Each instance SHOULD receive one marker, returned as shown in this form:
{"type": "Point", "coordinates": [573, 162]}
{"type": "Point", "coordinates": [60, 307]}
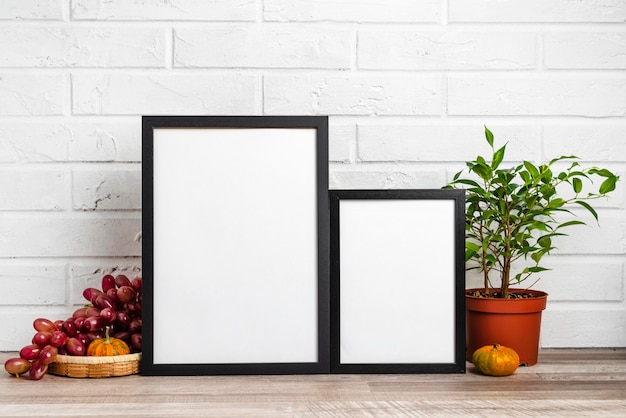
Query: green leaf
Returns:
{"type": "Point", "coordinates": [472, 246]}
{"type": "Point", "coordinates": [534, 172]}
{"type": "Point", "coordinates": [588, 207]}
{"type": "Point", "coordinates": [483, 171]}
{"type": "Point", "coordinates": [498, 156]}
{"type": "Point", "coordinates": [556, 203]}
{"type": "Point", "coordinates": [537, 269]}
{"type": "Point", "coordinates": [489, 136]}
{"type": "Point", "coordinates": [569, 223]}
{"type": "Point", "coordinates": [601, 172]}
{"type": "Point", "coordinates": [525, 176]}
{"type": "Point", "coordinates": [537, 256]}
{"type": "Point", "coordinates": [563, 157]}
{"type": "Point", "coordinates": [577, 184]}
{"type": "Point", "coordinates": [546, 175]}
{"type": "Point", "coordinates": [608, 185]}
{"type": "Point", "coordinates": [468, 182]}
{"type": "Point", "coordinates": [490, 259]}
{"type": "Point", "coordinates": [545, 242]}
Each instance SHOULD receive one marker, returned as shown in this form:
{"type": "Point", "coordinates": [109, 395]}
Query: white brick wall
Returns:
{"type": "Point", "coordinates": [301, 46]}
{"type": "Point", "coordinates": [68, 46]}
{"type": "Point", "coordinates": [353, 94]}
{"type": "Point", "coordinates": [135, 93]}
{"type": "Point", "coordinates": [445, 49]}
{"type": "Point", "coordinates": [408, 86]}
{"type": "Point", "coordinates": [531, 11]}
{"type": "Point", "coordinates": [34, 94]}
{"type": "Point", "coordinates": [381, 11]}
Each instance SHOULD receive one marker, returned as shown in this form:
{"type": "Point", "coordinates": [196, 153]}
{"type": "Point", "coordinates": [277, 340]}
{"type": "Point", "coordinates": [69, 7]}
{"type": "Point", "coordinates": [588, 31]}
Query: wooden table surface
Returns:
{"type": "Point", "coordinates": [565, 383]}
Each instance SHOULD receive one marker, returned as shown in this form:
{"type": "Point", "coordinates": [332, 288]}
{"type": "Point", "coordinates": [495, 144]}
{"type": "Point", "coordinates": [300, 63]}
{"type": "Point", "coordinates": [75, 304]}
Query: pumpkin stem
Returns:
{"type": "Point", "coordinates": [495, 345]}
{"type": "Point", "coordinates": [106, 334]}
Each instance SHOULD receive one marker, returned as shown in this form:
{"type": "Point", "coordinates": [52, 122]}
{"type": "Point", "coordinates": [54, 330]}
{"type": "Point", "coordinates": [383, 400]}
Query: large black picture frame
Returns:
{"type": "Point", "coordinates": [397, 281]}
{"type": "Point", "coordinates": [235, 245]}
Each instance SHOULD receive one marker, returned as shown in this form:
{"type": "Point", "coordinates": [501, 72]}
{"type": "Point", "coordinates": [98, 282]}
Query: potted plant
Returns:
{"type": "Point", "coordinates": [511, 221]}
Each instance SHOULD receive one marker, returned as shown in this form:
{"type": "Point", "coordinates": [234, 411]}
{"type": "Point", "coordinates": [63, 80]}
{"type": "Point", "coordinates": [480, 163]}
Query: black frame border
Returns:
{"type": "Point", "coordinates": [459, 365]}
{"type": "Point", "coordinates": [320, 123]}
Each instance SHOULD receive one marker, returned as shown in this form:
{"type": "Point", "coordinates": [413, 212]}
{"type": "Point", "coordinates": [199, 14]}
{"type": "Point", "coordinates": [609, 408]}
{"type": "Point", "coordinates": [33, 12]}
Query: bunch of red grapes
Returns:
{"type": "Point", "coordinates": [116, 307]}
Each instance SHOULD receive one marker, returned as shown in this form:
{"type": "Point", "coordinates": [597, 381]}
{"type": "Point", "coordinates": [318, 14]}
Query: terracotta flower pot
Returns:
{"type": "Point", "coordinates": [514, 323]}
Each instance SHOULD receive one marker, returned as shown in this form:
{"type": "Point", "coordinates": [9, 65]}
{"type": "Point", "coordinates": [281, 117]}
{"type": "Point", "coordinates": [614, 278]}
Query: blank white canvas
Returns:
{"type": "Point", "coordinates": [397, 279]}
{"type": "Point", "coordinates": [235, 246]}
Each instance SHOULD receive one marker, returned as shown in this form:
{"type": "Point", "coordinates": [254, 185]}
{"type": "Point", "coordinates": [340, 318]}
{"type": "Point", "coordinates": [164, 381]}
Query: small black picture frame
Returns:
{"type": "Point", "coordinates": [397, 281]}
{"type": "Point", "coordinates": [235, 245]}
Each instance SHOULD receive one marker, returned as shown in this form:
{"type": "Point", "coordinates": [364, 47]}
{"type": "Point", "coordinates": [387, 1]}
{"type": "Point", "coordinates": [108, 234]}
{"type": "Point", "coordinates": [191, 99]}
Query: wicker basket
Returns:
{"type": "Point", "coordinates": [96, 367]}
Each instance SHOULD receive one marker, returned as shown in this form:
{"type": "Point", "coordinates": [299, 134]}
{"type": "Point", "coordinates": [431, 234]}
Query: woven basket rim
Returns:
{"type": "Point", "coordinates": [61, 358]}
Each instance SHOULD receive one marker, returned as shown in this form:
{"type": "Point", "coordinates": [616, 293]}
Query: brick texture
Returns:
{"type": "Point", "coordinates": [382, 11]}
{"type": "Point", "coordinates": [561, 11]}
{"type": "Point", "coordinates": [585, 50]}
{"type": "Point", "coordinates": [252, 46]}
{"type": "Point", "coordinates": [31, 10]}
{"type": "Point", "coordinates": [163, 93]}
{"type": "Point", "coordinates": [445, 50]}
{"type": "Point", "coordinates": [67, 46]}
{"type": "Point", "coordinates": [408, 86]}
{"type": "Point", "coordinates": [218, 10]}
{"type": "Point", "coordinates": [353, 94]}
{"type": "Point", "coordinates": [32, 94]}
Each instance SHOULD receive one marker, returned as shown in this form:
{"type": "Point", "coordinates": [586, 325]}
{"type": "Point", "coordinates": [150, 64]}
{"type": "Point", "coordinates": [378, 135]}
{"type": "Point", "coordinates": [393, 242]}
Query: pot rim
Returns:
{"type": "Point", "coordinates": [507, 306]}
{"type": "Point", "coordinates": [537, 293]}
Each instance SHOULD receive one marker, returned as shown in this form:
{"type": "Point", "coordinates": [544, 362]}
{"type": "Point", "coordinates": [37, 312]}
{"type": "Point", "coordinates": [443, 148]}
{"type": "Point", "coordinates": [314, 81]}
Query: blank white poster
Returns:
{"type": "Point", "coordinates": [397, 281]}
{"type": "Point", "coordinates": [235, 246]}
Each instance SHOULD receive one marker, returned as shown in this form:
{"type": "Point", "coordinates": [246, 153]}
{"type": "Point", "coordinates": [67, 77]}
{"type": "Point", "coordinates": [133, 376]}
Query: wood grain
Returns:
{"type": "Point", "coordinates": [565, 383]}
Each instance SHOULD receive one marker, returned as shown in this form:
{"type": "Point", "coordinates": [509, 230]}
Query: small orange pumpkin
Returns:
{"type": "Point", "coordinates": [496, 360]}
{"type": "Point", "coordinates": [107, 346]}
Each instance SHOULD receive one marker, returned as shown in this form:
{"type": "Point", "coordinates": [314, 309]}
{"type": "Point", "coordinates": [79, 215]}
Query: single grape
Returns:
{"type": "Point", "coordinates": [79, 322]}
{"type": "Point", "coordinates": [108, 282]}
{"type": "Point", "coordinates": [83, 338]}
{"type": "Point", "coordinates": [30, 352]}
{"type": "Point", "coordinates": [121, 280]}
{"type": "Point", "coordinates": [80, 312]}
{"type": "Point", "coordinates": [58, 339]}
{"type": "Point", "coordinates": [123, 319]}
{"type": "Point", "coordinates": [93, 323]}
{"type": "Point", "coordinates": [126, 294]}
{"type": "Point", "coordinates": [112, 294]}
{"type": "Point", "coordinates": [17, 366]}
{"type": "Point", "coordinates": [43, 324]}
{"type": "Point", "coordinates": [109, 315]}
{"type": "Point", "coordinates": [37, 370]}
{"type": "Point", "coordinates": [137, 284]}
{"type": "Point", "coordinates": [48, 354]}
{"type": "Point", "coordinates": [103, 301]}
{"type": "Point", "coordinates": [42, 338]}
{"type": "Point", "coordinates": [69, 327]}
{"type": "Point", "coordinates": [93, 311]}
{"type": "Point", "coordinates": [135, 325]}
{"type": "Point", "coordinates": [75, 347]}
{"type": "Point", "coordinates": [90, 293]}
{"type": "Point", "coordinates": [135, 341]}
